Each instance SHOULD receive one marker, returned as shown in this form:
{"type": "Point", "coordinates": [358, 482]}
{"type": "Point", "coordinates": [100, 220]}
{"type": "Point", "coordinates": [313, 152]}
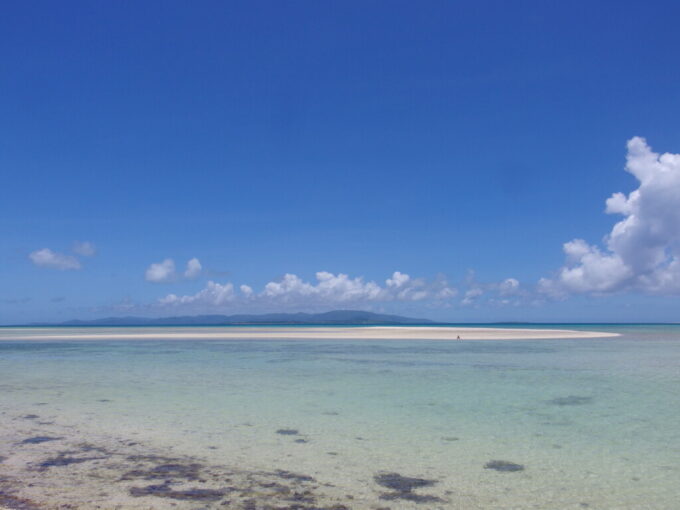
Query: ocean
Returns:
{"type": "Point", "coordinates": [339, 424]}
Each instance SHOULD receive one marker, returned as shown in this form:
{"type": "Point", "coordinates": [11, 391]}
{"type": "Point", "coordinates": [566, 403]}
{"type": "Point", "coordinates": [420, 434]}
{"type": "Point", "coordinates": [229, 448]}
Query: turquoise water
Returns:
{"type": "Point", "coordinates": [594, 423]}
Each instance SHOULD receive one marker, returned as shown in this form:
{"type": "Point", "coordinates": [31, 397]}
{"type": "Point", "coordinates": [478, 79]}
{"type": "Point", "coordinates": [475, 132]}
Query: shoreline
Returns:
{"type": "Point", "coordinates": [304, 333]}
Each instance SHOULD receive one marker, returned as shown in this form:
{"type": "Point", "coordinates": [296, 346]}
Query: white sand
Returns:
{"type": "Point", "coordinates": [295, 333]}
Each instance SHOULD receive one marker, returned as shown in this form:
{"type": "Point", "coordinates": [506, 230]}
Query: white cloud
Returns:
{"type": "Point", "coordinates": [165, 272]}
{"type": "Point", "coordinates": [406, 288]}
{"type": "Point", "coordinates": [341, 288]}
{"type": "Point", "coordinates": [246, 290]}
{"type": "Point", "coordinates": [642, 251]}
{"type": "Point", "coordinates": [328, 289]}
{"type": "Point", "coordinates": [48, 258]}
{"type": "Point", "coordinates": [441, 288]}
{"type": "Point", "coordinates": [193, 268]}
{"type": "Point", "coordinates": [289, 285]}
{"type": "Point", "coordinates": [493, 293]}
{"type": "Point", "coordinates": [446, 293]}
{"type": "Point", "coordinates": [508, 287]}
{"type": "Point", "coordinates": [84, 248]}
{"type": "Point", "coordinates": [398, 280]}
{"type": "Point", "coordinates": [161, 272]}
{"type": "Point", "coordinates": [213, 294]}
{"type": "Point", "coordinates": [471, 296]}
{"type": "Point", "coordinates": [550, 288]}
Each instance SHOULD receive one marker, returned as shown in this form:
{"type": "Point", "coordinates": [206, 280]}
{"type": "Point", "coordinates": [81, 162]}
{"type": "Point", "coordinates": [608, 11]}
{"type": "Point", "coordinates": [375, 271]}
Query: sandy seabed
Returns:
{"type": "Point", "coordinates": [41, 458]}
{"type": "Point", "coordinates": [40, 455]}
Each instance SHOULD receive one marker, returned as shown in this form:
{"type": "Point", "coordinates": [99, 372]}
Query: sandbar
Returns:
{"type": "Point", "coordinates": [297, 333]}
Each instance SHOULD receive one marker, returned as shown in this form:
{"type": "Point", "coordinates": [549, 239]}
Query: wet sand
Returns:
{"type": "Point", "coordinates": [297, 333]}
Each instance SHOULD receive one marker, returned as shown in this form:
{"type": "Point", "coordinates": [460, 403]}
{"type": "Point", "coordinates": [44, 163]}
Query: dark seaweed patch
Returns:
{"type": "Point", "coordinates": [2, 459]}
{"type": "Point", "coordinates": [16, 503]}
{"type": "Point", "coordinates": [87, 447]}
{"type": "Point", "coordinates": [302, 497]}
{"type": "Point", "coordinates": [168, 470]}
{"type": "Point", "coordinates": [287, 475]}
{"type": "Point", "coordinates": [276, 486]}
{"type": "Point", "coordinates": [503, 465]}
{"type": "Point", "coordinates": [400, 483]}
{"type": "Point", "coordinates": [188, 471]}
{"type": "Point", "coordinates": [410, 496]}
{"type": "Point", "coordinates": [571, 400]}
{"type": "Point", "coordinates": [64, 460]}
{"type": "Point", "coordinates": [402, 488]}
{"type": "Point", "coordinates": [183, 480]}
{"type": "Point", "coordinates": [164, 491]}
{"type": "Point", "coordinates": [39, 439]}
{"type": "Point", "coordinates": [288, 432]}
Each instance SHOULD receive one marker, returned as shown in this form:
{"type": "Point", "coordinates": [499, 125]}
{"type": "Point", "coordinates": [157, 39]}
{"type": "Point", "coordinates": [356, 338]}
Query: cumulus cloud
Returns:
{"type": "Point", "coordinates": [213, 294]}
{"type": "Point", "coordinates": [247, 291]}
{"type": "Point", "coordinates": [496, 293]}
{"type": "Point", "coordinates": [165, 271]}
{"type": "Point", "coordinates": [161, 272]}
{"type": "Point", "coordinates": [84, 248]}
{"type": "Point", "coordinates": [508, 287]}
{"type": "Point", "coordinates": [193, 268]}
{"type": "Point", "coordinates": [441, 289]}
{"type": "Point", "coordinates": [642, 251]}
{"type": "Point", "coordinates": [48, 258]}
{"type": "Point", "coordinates": [328, 289]}
{"type": "Point", "coordinates": [397, 280]}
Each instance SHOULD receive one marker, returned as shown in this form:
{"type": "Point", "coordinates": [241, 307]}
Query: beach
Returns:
{"type": "Point", "coordinates": [297, 333]}
{"type": "Point", "coordinates": [337, 424]}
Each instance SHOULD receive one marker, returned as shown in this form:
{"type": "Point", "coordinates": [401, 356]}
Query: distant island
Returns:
{"type": "Point", "coordinates": [335, 317]}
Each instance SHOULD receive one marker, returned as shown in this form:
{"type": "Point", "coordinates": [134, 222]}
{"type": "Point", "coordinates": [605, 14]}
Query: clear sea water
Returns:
{"type": "Point", "coordinates": [595, 423]}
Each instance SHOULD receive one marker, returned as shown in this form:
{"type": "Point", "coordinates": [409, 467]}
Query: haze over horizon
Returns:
{"type": "Point", "coordinates": [161, 159]}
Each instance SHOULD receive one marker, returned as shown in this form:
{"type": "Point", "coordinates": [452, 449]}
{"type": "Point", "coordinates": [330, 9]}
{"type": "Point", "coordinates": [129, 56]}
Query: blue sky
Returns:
{"type": "Point", "coordinates": [461, 144]}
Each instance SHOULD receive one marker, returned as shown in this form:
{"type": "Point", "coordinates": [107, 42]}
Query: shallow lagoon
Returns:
{"type": "Point", "coordinates": [588, 423]}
